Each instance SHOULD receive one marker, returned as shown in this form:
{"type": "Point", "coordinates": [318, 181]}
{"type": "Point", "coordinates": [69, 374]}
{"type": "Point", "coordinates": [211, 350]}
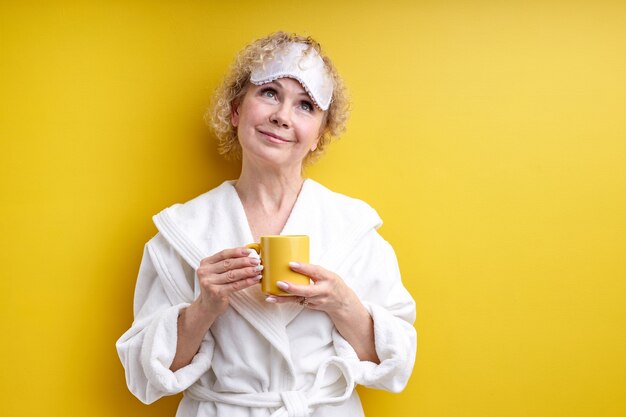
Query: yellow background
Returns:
{"type": "Point", "coordinates": [490, 136]}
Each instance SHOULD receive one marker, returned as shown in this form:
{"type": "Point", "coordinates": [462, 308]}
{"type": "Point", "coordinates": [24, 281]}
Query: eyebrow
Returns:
{"type": "Point", "coordinates": [303, 93]}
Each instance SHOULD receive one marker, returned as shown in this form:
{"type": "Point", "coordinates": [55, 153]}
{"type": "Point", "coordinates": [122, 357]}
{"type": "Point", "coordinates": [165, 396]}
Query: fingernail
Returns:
{"type": "Point", "coordinates": [282, 285]}
{"type": "Point", "coordinates": [247, 251]}
{"type": "Point", "coordinates": [255, 261]}
{"type": "Point", "coordinates": [271, 299]}
{"type": "Point", "coordinates": [294, 264]}
{"type": "Point", "coordinates": [259, 277]}
{"type": "Point", "coordinates": [259, 267]}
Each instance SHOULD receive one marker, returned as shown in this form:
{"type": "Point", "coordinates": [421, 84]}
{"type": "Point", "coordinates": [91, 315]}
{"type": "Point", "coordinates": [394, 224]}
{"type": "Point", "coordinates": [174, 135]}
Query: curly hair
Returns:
{"type": "Point", "coordinates": [235, 84]}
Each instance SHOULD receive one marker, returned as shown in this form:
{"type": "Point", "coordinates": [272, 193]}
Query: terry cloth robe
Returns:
{"type": "Point", "coordinates": [262, 359]}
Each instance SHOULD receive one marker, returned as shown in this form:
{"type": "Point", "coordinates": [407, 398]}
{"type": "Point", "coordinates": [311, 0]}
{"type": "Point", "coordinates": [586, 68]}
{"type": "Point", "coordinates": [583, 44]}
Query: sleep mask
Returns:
{"type": "Point", "coordinates": [303, 63]}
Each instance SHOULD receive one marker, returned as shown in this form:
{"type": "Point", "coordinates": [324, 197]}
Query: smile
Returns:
{"type": "Point", "coordinates": [271, 137]}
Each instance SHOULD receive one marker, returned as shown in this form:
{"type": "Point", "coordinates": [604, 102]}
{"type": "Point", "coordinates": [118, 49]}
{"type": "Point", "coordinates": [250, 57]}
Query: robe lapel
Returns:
{"type": "Point", "coordinates": [299, 223]}
{"type": "Point", "coordinates": [334, 225]}
{"type": "Point", "coordinates": [210, 223]}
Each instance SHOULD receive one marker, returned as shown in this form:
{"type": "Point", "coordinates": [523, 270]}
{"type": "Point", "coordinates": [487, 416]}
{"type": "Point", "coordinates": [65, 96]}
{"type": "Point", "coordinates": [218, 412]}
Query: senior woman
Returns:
{"type": "Point", "coordinates": [202, 325]}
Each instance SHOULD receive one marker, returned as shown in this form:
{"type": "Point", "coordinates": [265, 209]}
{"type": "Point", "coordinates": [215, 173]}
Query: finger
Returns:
{"type": "Point", "coordinates": [227, 254]}
{"type": "Point", "coordinates": [297, 290]}
{"type": "Point", "coordinates": [306, 302]}
{"type": "Point", "coordinates": [282, 299]}
{"type": "Point", "coordinates": [237, 263]}
{"type": "Point", "coordinates": [315, 272]}
{"type": "Point", "coordinates": [234, 275]}
{"type": "Point", "coordinates": [243, 284]}
{"type": "Point", "coordinates": [228, 264]}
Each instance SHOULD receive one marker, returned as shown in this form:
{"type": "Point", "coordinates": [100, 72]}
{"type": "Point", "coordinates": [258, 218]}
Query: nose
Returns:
{"type": "Point", "coordinates": [281, 116]}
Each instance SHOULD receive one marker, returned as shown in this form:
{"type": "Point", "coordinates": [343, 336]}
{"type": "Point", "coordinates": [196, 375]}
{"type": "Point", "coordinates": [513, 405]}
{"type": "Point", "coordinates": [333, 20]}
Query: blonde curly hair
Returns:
{"type": "Point", "coordinates": [235, 84]}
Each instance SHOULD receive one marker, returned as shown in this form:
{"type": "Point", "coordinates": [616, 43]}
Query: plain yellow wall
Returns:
{"type": "Point", "coordinates": [490, 137]}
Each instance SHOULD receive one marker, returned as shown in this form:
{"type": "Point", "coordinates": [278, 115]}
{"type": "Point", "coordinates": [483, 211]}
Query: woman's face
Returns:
{"type": "Point", "coordinates": [277, 123]}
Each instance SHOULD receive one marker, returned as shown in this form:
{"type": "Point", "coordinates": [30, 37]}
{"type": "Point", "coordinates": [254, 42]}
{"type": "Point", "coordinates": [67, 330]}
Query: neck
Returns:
{"type": "Point", "coordinates": [268, 189]}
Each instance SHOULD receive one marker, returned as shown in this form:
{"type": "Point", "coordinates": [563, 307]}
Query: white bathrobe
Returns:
{"type": "Point", "coordinates": [262, 359]}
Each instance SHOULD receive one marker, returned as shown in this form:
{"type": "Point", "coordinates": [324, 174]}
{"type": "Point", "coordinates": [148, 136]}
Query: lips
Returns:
{"type": "Point", "coordinates": [274, 138]}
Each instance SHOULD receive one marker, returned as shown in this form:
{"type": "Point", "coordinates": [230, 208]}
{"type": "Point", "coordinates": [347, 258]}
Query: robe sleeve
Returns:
{"type": "Point", "coordinates": [148, 348]}
{"type": "Point", "coordinates": [372, 272]}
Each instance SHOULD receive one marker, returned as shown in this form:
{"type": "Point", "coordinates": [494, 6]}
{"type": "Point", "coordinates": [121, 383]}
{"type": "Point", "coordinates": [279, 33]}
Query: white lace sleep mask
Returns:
{"type": "Point", "coordinates": [294, 61]}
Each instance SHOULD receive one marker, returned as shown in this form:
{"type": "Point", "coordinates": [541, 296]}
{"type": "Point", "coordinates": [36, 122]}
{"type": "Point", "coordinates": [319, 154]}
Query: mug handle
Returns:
{"type": "Point", "coordinates": [255, 246]}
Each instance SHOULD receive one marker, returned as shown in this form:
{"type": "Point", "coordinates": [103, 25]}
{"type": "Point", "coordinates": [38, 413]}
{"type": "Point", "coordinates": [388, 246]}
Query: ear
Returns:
{"type": "Point", "coordinates": [323, 129]}
{"type": "Point", "coordinates": [314, 147]}
{"type": "Point", "coordinates": [234, 113]}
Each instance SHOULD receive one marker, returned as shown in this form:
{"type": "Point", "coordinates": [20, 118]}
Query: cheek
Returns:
{"type": "Point", "coordinates": [310, 133]}
{"type": "Point", "coordinates": [321, 125]}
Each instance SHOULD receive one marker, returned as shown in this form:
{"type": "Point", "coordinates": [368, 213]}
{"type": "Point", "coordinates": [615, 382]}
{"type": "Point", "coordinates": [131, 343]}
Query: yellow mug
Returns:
{"type": "Point", "coordinates": [276, 252]}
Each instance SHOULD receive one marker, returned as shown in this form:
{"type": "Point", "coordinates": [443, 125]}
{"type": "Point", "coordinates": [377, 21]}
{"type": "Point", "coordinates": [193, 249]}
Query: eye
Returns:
{"type": "Point", "coordinates": [306, 106]}
{"type": "Point", "coordinates": [269, 92]}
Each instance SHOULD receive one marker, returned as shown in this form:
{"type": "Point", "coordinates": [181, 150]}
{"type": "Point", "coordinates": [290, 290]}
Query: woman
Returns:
{"type": "Point", "coordinates": [202, 325]}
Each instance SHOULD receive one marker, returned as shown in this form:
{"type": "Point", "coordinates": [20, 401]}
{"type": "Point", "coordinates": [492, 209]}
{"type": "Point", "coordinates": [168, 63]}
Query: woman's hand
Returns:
{"type": "Point", "coordinates": [224, 273]}
{"type": "Point", "coordinates": [329, 293]}
{"type": "Point", "coordinates": [220, 275]}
